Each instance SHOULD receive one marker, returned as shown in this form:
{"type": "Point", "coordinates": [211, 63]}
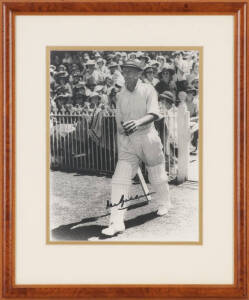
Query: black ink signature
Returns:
{"type": "Point", "coordinates": [123, 200]}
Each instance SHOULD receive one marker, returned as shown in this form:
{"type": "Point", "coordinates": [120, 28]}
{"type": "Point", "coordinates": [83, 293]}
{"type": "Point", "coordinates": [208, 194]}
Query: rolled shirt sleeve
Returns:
{"type": "Point", "coordinates": [152, 103]}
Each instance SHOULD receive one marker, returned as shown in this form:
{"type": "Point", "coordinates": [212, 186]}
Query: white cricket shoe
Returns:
{"type": "Point", "coordinates": [113, 229]}
{"type": "Point", "coordinates": [163, 210]}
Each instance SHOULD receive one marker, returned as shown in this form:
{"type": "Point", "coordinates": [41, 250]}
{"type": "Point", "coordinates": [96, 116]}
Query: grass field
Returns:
{"type": "Point", "coordinates": [78, 211]}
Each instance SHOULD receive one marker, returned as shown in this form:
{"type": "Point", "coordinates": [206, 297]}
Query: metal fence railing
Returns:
{"type": "Point", "coordinates": [87, 142]}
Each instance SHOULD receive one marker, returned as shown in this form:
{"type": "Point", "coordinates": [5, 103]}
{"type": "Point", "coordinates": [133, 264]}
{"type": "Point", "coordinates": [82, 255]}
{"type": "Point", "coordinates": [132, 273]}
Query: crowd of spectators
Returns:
{"type": "Point", "coordinates": [82, 81]}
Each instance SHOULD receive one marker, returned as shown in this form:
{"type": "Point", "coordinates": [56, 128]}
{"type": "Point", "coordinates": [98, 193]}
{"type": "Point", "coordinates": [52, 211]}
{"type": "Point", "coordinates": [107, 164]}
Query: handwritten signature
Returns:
{"type": "Point", "coordinates": [123, 200]}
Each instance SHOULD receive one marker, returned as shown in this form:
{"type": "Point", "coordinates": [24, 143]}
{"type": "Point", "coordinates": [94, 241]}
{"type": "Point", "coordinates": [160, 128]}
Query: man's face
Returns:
{"type": "Point", "coordinates": [155, 70]}
{"type": "Point", "coordinates": [131, 74]}
{"type": "Point", "coordinates": [165, 105]}
{"type": "Point", "coordinates": [62, 80]}
{"type": "Point", "coordinates": [166, 76]}
{"type": "Point", "coordinates": [113, 69]}
{"type": "Point", "coordinates": [168, 105]}
{"type": "Point", "coordinates": [76, 79]}
{"type": "Point", "coordinates": [149, 74]}
{"type": "Point", "coordinates": [117, 88]}
{"type": "Point", "coordinates": [91, 87]}
{"type": "Point", "coordinates": [90, 68]}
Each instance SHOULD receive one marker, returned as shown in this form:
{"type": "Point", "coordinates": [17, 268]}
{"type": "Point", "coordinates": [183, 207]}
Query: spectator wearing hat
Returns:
{"type": "Point", "coordinates": [167, 105]}
{"type": "Point", "coordinates": [74, 67]}
{"type": "Point", "coordinates": [97, 56]}
{"type": "Point", "coordinates": [138, 140]}
{"type": "Point", "coordinates": [139, 54]}
{"type": "Point", "coordinates": [109, 59]}
{"type": "Point", "coordinates": [148, 76]}
{"type": "Point", "coordinates": [90, 84]}
{"type": "Point", "coordinates": [75, 79]}
{"type": "Point", "coordinates": [113, 93]}
{"type": "Point", "coordinates": [155, 65]}
{"type": "Point", "coordinates": [161, 60]}
{"type": "Point", "coordinates": [190, 60]}
{"type": "Point", "coordinates": [117, 58]}
{"type": "Point", "coordinates": [63, 91]}
{"type": "Point", "coordinates": [79, 94]}
{"type": "Point", "coordinates": [67, 59]}
{"type": "Point", "coordinates": [91, 72]}
{"type": "Point", "coordinates": [166, 101]}
{"type": "Point", "coordinates": [52, 69]}
{"type": "Point", "coordinates": [132, 56]}
{"type": "Point", "coordinates": [192, 105]}
{"type": "Point", "coordinates": [123, 57]}
{"type": "Point", "coordinates": [61, 68]}
{"type": "Point", "coordinates": [113, 67]}
{"type": "Point", "coordinates": [182, 70]}
{"type": "Point", "coordinates": [183, 66]}
{"type": "Point", "coordinates": [108, 84]}
{"type": "Point", "coordinates": [85, 57]}
{"type": "Point", "coordinates": [181, 85]}
{"type": "Point", "coordinates": [169, 63]}
{"type": "Point", "coordinates": [177, 56]}
{"type": "Point", "coordinates": [102, 69]}
{"type": "Point", "coordinates": [144, 60]}
{"type": "Point", "coordinates": [115, 73]}
{"type": "Point", "coordinates": [194, 73]}
{"type": "Point", "coordinates": [166, 81]}
{"type": "Point", "coordinates": [100, 89]}
{"type": "Point", "coordinates": [55, 60]}
{"type": "Point", "coordinates": [95, 98]}
{"type": "Point", "coordinates": [76, 76]}
{"type": "Point", "coordinates": [75, 58]}
{"type": "Point", "coordinates": [181, 97]}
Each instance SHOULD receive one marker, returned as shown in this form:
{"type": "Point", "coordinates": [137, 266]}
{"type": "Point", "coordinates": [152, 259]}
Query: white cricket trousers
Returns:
{"type": "Point", "coordinates": [143, 146]}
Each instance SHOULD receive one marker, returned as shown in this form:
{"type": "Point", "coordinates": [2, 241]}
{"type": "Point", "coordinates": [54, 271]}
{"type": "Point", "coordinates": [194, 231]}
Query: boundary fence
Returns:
{"type": "Point", "coordinates": [87, 142]}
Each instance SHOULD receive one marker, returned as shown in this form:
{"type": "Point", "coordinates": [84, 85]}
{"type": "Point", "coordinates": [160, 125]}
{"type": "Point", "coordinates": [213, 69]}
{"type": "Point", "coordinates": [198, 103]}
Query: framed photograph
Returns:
{"type": "Point", "coordinates": [84, 139]}
{"type": "Point", "coordinates": [123, 149]}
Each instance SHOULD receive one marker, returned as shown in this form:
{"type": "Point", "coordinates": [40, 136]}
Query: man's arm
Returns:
{"type": "Point", "coordinates": [153, 113]}
{"type": "Point", "coordinates": [133, 125]}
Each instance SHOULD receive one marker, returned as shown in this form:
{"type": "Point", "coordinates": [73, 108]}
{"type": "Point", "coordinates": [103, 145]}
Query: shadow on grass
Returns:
{"type": "Point", "coordinates": [72, 233]}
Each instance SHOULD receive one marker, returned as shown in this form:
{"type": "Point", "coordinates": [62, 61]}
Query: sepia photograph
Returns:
{"type": "Point", "coordinates": [124, 160]}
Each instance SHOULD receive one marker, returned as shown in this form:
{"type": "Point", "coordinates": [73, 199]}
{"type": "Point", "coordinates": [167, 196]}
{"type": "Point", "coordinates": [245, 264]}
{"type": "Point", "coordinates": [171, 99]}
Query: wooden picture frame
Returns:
{"type": "Point", "coordinates": [238, 9]}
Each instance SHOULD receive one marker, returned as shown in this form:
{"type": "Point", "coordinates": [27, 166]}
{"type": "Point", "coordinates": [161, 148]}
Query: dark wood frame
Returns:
{"type": "Point", "coordinates": [239, 9]}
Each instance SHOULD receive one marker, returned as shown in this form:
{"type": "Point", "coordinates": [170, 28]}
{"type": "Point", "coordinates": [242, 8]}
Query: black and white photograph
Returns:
{"type": "Point", "coordinates": [124, 145]}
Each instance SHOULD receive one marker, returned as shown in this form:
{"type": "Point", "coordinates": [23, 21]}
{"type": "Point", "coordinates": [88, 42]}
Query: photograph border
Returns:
{"type": "Point", "coordinates": [239, 9]}
{"type": "Point", "coordinates": [200, 143]}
